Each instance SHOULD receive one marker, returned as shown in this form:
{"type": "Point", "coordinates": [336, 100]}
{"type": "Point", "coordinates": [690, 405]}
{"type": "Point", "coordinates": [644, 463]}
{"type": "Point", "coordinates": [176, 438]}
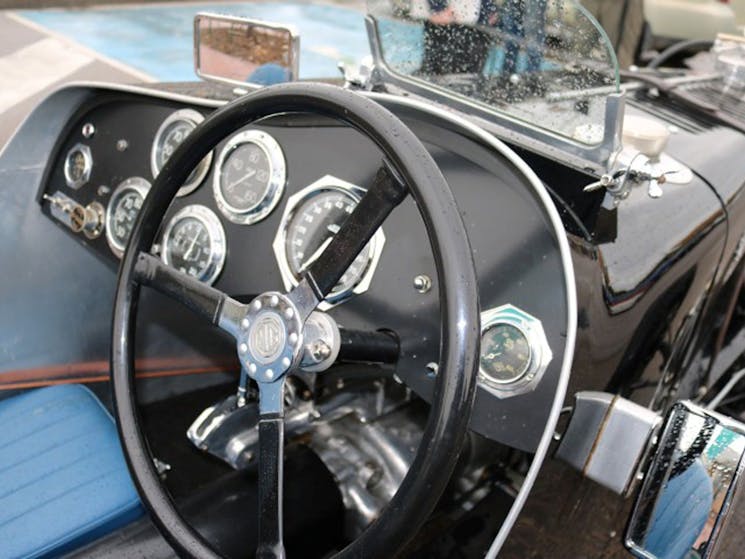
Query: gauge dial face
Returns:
{"type": "Point", "coordinates": [171, 134]}
{"type": "Point", "coordinates": [250, 177]}
{"type": "Point", "coordinates": [313, 224]}
{"type": "Point", "coordinates": [122, 212]}
{"type": "Point", "coordinates": [78, 165]}
{"type": "Point", "coordinates": [245, 177]}
{"type": "Point", "coordinates": [194, 243]}
{"type": "Point", "coordinates": [505, 353]}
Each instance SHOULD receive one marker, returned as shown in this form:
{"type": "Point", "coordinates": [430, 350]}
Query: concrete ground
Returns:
{"type": "Point", "coordinates": [40, 50]}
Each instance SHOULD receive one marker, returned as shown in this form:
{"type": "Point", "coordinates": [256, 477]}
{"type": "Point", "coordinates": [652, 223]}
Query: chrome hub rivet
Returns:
{"type": "Point", "coordinates": [289, 313]}
{"type": "Point", "coordinates": [257, 305]}
{"type": "Point", "coordinates": [274, 301]}
{"type": "Point", "coordinates": [293, 338]}
{"type": "Point", "coordinates": [245, 324]}
{"type": "Point", "coordinates": [252, 368]}
{"type": "Point", "coordinates": [286, 362]}
{"type": "Point", "coordinates": [269, 374]}
{"type": "Point", "coordinates": [243, 348]}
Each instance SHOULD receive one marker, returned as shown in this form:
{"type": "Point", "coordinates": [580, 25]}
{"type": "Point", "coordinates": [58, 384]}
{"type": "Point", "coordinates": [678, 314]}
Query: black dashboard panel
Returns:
{"type": "Point", "coordinates": [516, 254]}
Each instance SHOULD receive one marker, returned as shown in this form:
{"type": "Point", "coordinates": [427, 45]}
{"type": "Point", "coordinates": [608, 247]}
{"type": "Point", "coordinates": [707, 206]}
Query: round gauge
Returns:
{"type": "Point", "coordinates": [78, 166]}
{"type": "Point", "coordinates": [250, 177]}
{"type": "Point", "coordinates": [312, 218]}
{"type": "Point", "coordinates": [194, 243]}
{"type": "Point", "coordinates": [505, 353]}
{"type": "Point", "coordinates": [122, 211]}
{"type": "Point", "coordinates": [169, 136]}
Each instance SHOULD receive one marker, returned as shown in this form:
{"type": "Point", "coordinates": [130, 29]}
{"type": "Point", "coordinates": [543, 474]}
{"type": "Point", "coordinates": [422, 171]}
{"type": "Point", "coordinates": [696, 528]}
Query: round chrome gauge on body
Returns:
{"type": "Point", "coordinates": [311, 219]}
{"type": "Point", "coordinates": [121, 213]}
{"type": "Point", "coordinates": [514, 351]}
{"type": "Point", "coordinates": [194, 243]}
{"type": "Point", "coordinates": [78, 166]}
{"type": "Point", "coordinates": [250, 177]}
{"type": "Point", "coordinates": [172, 132]}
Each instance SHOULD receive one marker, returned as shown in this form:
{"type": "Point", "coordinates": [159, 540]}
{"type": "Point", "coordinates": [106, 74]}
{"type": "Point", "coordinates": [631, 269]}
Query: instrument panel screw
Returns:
{"type": "Point", "coordinates": [88, 130]}
{"type": "Point", "coordinates": [422, 283]}
{"type": "Point", "coordinates": [122, 145]}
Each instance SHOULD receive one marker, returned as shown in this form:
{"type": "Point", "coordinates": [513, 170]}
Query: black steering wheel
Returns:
{"type": "Point", "coordinates": [268, 359]}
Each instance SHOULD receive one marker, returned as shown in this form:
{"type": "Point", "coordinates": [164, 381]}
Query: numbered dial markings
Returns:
{"type": "Point", "coordinates": [250, 178]}
{"type": "Point", "coordinates": [312, 217]}
{"type": "Point", "coordinates": [122, 212]}
{"type": "Point", "coordinates": [171, 134]}
{"type": "Point", "coordinates": [194, 243]}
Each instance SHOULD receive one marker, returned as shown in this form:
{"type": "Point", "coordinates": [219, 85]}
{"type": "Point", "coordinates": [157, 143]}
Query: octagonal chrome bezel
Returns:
{"type": "Point", "coordinates": [540, 351]}
{"type": "Point", "coordinates": [325, 183]}
{"type": "Point", "coordinates": [87, 157]}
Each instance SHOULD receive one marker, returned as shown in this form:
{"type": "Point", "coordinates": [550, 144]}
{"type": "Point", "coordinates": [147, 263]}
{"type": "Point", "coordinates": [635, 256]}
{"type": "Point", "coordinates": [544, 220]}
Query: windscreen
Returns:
{"type": "Point", "coordinates": [547, 63]}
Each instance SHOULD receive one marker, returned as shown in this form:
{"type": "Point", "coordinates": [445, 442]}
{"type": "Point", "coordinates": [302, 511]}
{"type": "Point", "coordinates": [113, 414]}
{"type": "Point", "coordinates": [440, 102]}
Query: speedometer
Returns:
{"type": "Point", "coordinates": [169, 137]}
{"type": "Point", "coordinates": [122, 211]}
{"type": "Point", "coordinates": [312, 217]}
{"type": "Point", "coordinates": [194, 243]}
{"type": "Point", "coordinates": [250, 177]}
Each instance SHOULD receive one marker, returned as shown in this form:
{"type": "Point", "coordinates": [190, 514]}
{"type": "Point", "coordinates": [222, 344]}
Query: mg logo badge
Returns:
{"type": "Point", "coordinates": [267, 338]}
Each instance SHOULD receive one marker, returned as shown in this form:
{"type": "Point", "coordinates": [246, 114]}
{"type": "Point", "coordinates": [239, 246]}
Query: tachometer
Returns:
{"type": "Point", "coordinates": [250, 177]}
{"type": "Point", "coordinates": [78, 166]}
{"type": "Point", "coordinates": [122, 211]}
{"type": "Point", "coordinates": [169, 136]}
{"type": "Point", "coordinates": [194, 243]}
{"type": "Point", "coordinates": [312, 217]}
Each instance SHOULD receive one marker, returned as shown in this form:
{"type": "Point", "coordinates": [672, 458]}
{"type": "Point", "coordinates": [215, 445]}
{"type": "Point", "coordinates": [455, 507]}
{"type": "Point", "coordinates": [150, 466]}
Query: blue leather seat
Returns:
{"type": "Point", "coordinates": [63, 478]}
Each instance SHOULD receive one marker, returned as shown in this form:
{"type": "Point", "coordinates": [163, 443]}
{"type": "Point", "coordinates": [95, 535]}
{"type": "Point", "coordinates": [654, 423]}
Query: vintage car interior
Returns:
{"type": "Point", "coordinates": [480, 295]}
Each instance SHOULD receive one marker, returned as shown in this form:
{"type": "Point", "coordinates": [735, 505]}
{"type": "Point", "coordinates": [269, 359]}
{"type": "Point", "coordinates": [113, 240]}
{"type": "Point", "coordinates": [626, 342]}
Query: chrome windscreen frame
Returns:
{"type": "Point", "coordinates": [514, 130]}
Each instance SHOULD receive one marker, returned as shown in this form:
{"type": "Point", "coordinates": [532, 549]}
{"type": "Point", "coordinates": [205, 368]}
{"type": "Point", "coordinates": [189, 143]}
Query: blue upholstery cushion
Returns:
{"type": "Point", "coordinates": [63, 478]}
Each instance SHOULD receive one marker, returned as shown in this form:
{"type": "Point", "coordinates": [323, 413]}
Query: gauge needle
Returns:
{"type": "Point", "coordinates": [248, 175]}
{"type": "Point", "coordinates": [315, 255]}
{"type": "Point", "coordinates": [191, 247]}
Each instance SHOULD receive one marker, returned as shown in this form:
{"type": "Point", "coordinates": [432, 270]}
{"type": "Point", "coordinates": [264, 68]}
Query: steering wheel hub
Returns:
{"type": "Point", "coordinates": [271, 337]}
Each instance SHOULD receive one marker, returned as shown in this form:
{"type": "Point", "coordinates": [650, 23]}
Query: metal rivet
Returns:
{"type": "Point", "coordinates": [274, 300]}
{"type": "Point", "coordinates": [286, 362]}
{"type": "Point", "coordinates": [243, 348]}
{"type": "Point", "coordinates": [422, 283]}
{"type": "Point", "coordinates": [289, 313]}
{"type": "Point", "coordinates": [257, 305]}
{"type": "Point", "coordinates": [432, 369]}
{"type": "Point", "coordinates": [293, 338]}
{"type": "Point", "coordinates": [122, 145]}
{"type": "Point", "coordinates": [269, 374]}
{"type": "Point", "coordinates": [88, 130]}
{"type": "Point", "coordinates": [103, 190]}
{"type": "Point", "coordinates": [251, 368]}
{"type": "Point", "coordinates": [245, 324]}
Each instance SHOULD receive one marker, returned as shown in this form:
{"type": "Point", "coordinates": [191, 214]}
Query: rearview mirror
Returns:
{"type": "Point", "coordinates": [690, 502]}
{"type": "Point", "coordinates": [242, 51]}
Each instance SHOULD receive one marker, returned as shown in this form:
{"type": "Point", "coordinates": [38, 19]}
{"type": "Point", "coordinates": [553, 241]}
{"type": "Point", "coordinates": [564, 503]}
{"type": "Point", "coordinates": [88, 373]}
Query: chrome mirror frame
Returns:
{"type": "Point", "coordinates": [293, 69]}
{"type": "Point", "coordinates": [704, 451]}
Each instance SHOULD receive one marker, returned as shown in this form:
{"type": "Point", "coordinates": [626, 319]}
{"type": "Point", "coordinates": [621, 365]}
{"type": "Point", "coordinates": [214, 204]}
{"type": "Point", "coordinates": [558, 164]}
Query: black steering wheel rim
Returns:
{"type": "Point", "coordinates": [455, 386]}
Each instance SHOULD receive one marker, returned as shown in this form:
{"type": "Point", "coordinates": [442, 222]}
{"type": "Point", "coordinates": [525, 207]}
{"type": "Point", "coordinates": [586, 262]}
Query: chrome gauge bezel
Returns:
{"type": "Point", "coordinates": [274, 189]}
{"type": "Point", "coordinates": [87, 157]}
{"type": "Point", "coordinates": [195, 118]}
{"type": "Point", "coordinates": [540, 351]}
{"type": "Point", "coordinates": [136, 184]}
{"type": "Point", "coordinates": [324, 184]}
{"type": "Point", "coordinates": [216, 232]}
